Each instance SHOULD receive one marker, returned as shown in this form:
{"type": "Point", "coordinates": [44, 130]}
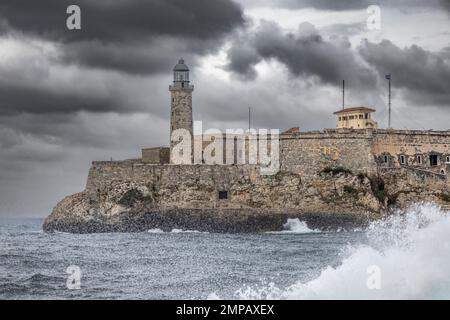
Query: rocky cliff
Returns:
{"type": "Point", "coordinates": [132, 196]}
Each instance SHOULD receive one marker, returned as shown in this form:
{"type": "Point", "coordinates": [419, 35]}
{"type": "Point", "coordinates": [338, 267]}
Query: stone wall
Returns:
{"type": "Point", "coordinates": [414, 148]}
{"type": "Point", "coordinates": [309, 153]}
{"type": "Point", "coordinates": [198, 186]}
{"type": "Point", "coordinates": [159, 155]}
{"type": "Point", "coordinates": [174, 185]}
{"type": "Point", "coordinates": [364, 151]}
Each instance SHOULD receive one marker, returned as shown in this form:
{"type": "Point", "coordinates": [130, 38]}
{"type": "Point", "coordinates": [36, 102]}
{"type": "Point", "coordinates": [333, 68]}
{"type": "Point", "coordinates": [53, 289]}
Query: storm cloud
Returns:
{"type": "Point", "coordinates": [132, 36]}
{"type": "Point", "coordinates": [424, 74]}
{"type": "Point", "coordinates": [102, 67]}
{"type": "Point", "coordinates": [304, 53]}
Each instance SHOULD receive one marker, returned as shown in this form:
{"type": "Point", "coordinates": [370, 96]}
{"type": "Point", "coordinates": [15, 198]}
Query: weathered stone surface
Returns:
{"type": "Point", "coordinates": [131, 196]}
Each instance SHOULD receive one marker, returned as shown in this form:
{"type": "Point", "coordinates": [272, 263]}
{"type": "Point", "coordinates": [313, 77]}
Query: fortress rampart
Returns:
{"type": "Point", "coordinates": [309, 153]}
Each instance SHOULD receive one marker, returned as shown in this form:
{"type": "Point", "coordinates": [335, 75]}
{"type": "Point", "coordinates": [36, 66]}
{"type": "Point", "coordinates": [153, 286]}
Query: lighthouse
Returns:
{"type": "Point", "coordinates": [181, 123]}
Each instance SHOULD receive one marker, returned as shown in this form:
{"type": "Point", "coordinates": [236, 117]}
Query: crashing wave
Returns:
{"type": "Point", "coordinates": [407, 257]}
{"type": "Point", "coordinates": [294, 226]}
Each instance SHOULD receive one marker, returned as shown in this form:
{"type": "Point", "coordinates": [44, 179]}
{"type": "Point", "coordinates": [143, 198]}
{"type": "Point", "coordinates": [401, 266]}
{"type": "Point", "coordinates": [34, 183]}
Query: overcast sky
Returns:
{"type": "Point", "coordinates": [68, 97]}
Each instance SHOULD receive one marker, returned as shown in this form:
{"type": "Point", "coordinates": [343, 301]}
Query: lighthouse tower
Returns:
{"type": "Point", "coordinates": [181, 103]}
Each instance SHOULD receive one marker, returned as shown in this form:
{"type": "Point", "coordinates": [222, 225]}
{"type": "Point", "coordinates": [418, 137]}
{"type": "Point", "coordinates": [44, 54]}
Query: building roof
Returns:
{"type": "Point", "coordinates": [180, 66]}
{"type": "Point", "coordinates": [292, 130]}
{"type": "Point", "coordinates": [355, 109]}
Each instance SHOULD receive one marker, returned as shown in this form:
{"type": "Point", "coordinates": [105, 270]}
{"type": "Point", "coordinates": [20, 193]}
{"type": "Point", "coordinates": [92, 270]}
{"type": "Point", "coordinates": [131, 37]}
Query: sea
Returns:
{"type": "Point", "coordinates": [406, 256]}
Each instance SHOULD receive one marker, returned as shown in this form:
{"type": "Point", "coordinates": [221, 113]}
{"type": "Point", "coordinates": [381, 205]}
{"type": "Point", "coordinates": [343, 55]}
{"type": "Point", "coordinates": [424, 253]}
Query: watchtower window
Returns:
{"type": "Point", "coordinates": [402, 159]}
{"type": "Point", "coordinates": [447, 159]}
{"type": "Point", "coordinates": [419, 159]}
{"type": "Point", "coordinates": [385, 159]}
{"type": "Point", "coordinates": [433, 160]}
{"type": "Point", "coordinates": [223, 195]}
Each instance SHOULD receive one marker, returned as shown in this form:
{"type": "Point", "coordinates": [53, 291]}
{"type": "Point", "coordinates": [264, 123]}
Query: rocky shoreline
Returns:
{"type": "Point", "coordinates": [206, 220]}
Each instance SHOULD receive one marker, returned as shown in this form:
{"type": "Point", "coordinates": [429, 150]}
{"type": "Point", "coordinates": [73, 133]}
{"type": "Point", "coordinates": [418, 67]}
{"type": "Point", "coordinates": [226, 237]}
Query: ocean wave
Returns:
{"type": "Point", "coordinates": [157, 230]}
{"type": "Point", "coordinates": [294, 226]}
{"type": "Point", "coordinates": [42, 278]}
{"type": "Point", "coordinates": [407, 257]}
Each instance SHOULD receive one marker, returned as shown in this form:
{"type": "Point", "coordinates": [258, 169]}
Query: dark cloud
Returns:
{"type": "Point", "coordinates": [154, 56]}
{"type": "Point", "coordinates": [305, 53]}
{"type": "Point", "coordinates": [424, 74]}
{"type": "Point", "coordinates": [126, 35]}
{"type": "Point", "coordinates": [18, 98]}
{"type": "Point", "coordinates": [124, 20]}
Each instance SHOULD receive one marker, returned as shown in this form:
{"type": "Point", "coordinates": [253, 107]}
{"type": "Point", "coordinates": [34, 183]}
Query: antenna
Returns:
{"type": "Point", "coordinates": [249, 117]}
{"type": "Point", "coordinates": [343, 94]}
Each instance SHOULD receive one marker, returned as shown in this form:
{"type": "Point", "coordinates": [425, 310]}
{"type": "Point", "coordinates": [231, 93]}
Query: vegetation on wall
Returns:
{"type": "Point", "coordinates": [350, 189]}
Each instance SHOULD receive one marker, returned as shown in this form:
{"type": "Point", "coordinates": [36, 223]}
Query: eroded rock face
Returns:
{"type": "Point", "coordinates": [124, 196]}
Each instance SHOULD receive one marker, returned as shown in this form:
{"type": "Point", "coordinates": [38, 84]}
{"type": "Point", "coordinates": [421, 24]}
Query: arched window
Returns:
{"type": "Point", "coordinates": [402, 159]}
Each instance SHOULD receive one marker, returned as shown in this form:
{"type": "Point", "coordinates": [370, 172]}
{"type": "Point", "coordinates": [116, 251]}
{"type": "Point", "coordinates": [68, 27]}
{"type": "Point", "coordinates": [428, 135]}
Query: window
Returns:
{"type": "Point", "coordinates": [402, 159]}
{"type": "Point", "coordinates": [447, 159]}
{"type": "Point", "coordinates": [367, 116]}
{"type": "Point", "coordinates": [361, 116]}
{"type": "Point", "coordinates": [223, 195]}
{"type": "Point", "coordinates": [433, 160]}
{"type": "Point", "coordinates": [352, 117]}
{"type": "Point", "coordinates": [419, 159]}
{"type": "Point", "coordinates": [385, 159]}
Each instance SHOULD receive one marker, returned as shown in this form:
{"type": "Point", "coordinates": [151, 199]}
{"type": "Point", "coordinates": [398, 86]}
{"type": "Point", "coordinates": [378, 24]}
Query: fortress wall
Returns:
{"type": "Point", "coordinates": [310, 152]}
{"type": "Point", "coordinates": [411, 144]}
{"type": "Point", "coordinates": [175, 185]}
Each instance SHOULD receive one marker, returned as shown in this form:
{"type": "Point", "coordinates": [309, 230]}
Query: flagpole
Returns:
{"type": "Point", "coordinates": [343, 94]}
{"type": "Point", "coordinates": [390, 110]}
{"type": "Point", "coordinates": [249, 117]}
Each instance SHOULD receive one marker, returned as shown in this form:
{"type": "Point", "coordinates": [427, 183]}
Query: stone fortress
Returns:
{"type": "Point", "coordinates": [333, 178]}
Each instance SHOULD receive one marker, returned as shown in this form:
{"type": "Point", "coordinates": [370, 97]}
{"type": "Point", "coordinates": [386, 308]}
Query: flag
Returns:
{"type": "Point", "coordinates": [388, 76]}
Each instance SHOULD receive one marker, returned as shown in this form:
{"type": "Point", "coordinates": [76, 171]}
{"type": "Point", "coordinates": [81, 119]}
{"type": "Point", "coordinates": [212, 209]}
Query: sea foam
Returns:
{"type": "Point", "coordinates": [409, 251]}
{"type": "Point", "coordinates": [294, 226]}
{"type": "Point", "coordinates": [157, 230]}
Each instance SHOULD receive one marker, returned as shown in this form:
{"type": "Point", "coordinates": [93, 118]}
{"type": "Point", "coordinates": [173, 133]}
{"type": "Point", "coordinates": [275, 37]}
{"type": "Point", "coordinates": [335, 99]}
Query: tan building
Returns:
{"type": "Point", "coordinates": [355, 118]}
